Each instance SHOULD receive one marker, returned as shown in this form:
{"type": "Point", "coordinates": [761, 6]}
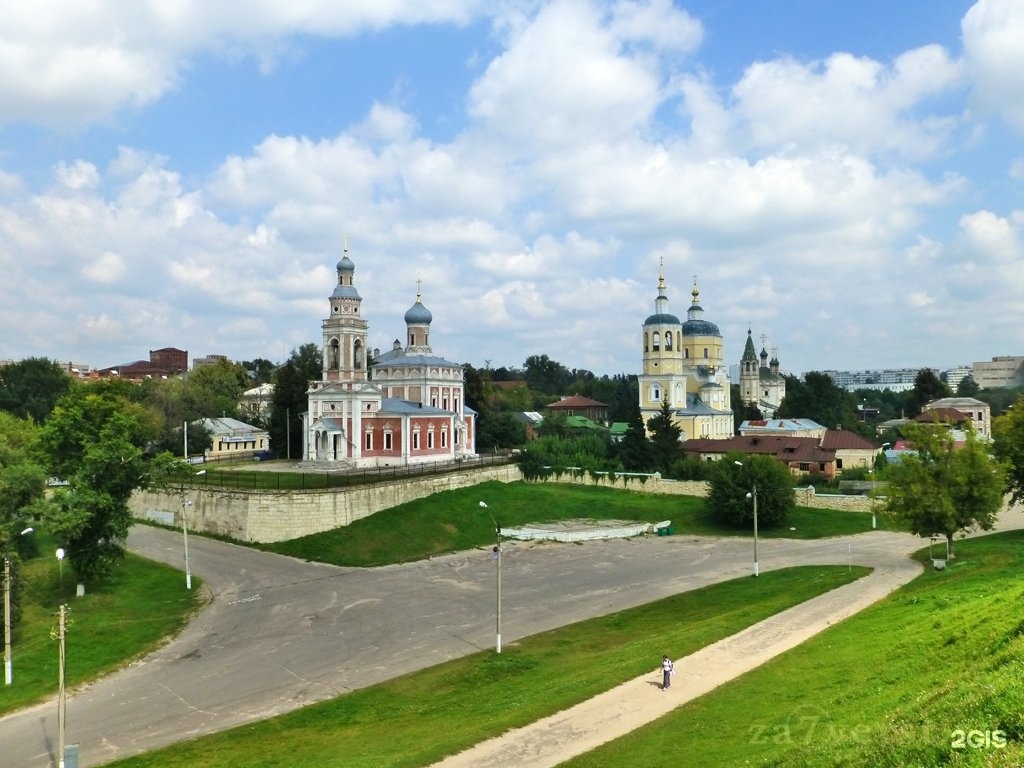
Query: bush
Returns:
{"type": "Point", "coordinates": [730, 484]}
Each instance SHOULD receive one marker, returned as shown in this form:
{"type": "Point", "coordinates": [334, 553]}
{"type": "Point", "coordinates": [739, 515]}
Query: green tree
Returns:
{"type": "Point", "coordinates": [818, 397]}
{"type": "Point", "coordinates": [260, 371]}
{"type": "Point", "coordinates": [967, 387]}
{"type": "Point", "coordinates": [927, 387]}
{"type": "Point", "coordinates": [98, 444]}
{"type": "Point", "coordinates": [31, 387]}
{"type": "Point", "coordinates": [744, 411]}
{"type": "Point", "coordinates": [942, 488]}
{"type": "Point", "coordinates": [554, 424]}
{"type": "Point", "coordinates": [730, 483]}
{"type": "Point", "coordinates": [213, 390]}
{"type": "Point", "coordinates": [291, 383]}
{"type": "Point", "coordinates": [635, 451]}
{"type": "Point", "coordinates": [1008, 432]}
{"type": "Point", "coordinates": [546, 376]}
{"type": "Point", "coordinates": [665, 435]}
{"type": "Point", "coordinates": [500, 429]}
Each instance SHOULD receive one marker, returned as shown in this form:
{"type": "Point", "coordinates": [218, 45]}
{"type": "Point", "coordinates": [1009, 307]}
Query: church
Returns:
{"type": "Point", "coordinates": [762, 386]}
{"type": "Point", "coordinates": [684, 363]}
{"type": "Point", "coordinates": [405, 406]}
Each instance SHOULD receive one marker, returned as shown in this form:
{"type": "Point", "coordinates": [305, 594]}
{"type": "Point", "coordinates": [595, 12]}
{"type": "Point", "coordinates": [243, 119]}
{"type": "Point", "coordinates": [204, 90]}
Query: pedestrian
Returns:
{"type": "Point", "coordinates": [666, 673]}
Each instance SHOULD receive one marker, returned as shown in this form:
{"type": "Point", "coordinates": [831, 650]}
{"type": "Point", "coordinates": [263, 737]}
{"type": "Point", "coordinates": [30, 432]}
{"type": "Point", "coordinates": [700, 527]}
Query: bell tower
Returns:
{"type": "Point", "coordinates": [345, 331]}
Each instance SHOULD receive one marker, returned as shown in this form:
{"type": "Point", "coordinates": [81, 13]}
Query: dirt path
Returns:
{"type": "Point", "coordinates": [612, 714]}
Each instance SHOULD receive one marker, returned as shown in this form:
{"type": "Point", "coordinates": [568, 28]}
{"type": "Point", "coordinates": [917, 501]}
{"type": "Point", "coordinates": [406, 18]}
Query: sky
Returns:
{"type": "Point", "coordinates": [844, 179]}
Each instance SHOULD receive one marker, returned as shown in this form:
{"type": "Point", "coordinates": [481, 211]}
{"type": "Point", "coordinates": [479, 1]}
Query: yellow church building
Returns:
{"type": "Point", "coordinates": [684, 363]}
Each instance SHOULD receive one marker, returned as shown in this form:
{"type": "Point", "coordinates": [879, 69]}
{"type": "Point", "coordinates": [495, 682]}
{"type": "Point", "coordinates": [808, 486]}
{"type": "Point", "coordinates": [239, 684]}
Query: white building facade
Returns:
{"type": "Point", "coordinates": [404, 407]}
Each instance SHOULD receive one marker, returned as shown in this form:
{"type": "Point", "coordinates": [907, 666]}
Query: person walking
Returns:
{"type": "Point", "coordinates": [666, 673]}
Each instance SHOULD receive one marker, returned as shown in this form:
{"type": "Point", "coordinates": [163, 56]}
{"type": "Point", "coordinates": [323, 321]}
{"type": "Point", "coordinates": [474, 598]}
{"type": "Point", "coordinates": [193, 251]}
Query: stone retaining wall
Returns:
{"type": "Point", "coordinates": [269, 516]}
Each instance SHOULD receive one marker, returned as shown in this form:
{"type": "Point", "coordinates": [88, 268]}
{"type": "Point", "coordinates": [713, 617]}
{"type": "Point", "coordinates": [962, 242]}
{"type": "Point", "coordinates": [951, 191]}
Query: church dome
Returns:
{"type": "Point", "coordinates": [695, 327]}
{"type": "Point", "coordinates": [346, 264]}
{"type": "Point", "coordinates": [418, 314]}
{"type": "Point", "coordinates": [662, 319]}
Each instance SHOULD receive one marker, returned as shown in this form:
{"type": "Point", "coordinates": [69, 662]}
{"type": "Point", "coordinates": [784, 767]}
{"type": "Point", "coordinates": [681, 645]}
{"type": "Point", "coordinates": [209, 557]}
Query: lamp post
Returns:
{"type": "Point", "coordinates": [497, 555]}
{"type": "Point", "coordinates": [8, 665]}
{"type": "Point", "coordinates": [184, 532]}
{"type": "Point", "coordinates": [752, 495]}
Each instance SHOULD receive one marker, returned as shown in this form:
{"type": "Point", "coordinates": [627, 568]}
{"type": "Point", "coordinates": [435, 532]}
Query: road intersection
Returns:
{"type": "Point", "coordinates": [280, 633]}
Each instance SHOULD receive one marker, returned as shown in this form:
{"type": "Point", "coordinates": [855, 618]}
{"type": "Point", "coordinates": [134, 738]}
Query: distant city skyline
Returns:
{"type": "Point", "coordinates": [845, 178]}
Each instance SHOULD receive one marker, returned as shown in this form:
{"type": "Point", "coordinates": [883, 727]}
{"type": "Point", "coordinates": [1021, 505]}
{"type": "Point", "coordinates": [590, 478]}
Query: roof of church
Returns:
{"type": "Point", "coordinates": [399, 358]}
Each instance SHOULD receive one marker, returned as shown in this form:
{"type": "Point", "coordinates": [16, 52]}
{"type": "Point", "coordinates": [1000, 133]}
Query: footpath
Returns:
{"type": "Point", "coordinates": [607, 716]}
{"type": "Point", "coordinates": [614, 713]}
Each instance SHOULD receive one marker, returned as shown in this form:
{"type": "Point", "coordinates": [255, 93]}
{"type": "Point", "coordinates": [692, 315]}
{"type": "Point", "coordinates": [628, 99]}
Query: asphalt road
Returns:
{"type": "Point", "coordinates": [280, 633]}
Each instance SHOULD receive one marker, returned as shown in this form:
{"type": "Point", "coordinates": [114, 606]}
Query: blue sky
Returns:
{"type": "Point", "coordinates": [846, 178]}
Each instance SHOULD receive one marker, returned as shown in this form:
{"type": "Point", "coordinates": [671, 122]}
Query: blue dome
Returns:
{"type": "Point", "coordinates": [418, 315]}
{"type": "Point", "coordinates": [662, 319]}
{"type": "Point", "coordinates": [345, 292]}
{"type": "Point", "coordinates": [346, 265]}
{"type": "Point", "coordinates": [700, 328]}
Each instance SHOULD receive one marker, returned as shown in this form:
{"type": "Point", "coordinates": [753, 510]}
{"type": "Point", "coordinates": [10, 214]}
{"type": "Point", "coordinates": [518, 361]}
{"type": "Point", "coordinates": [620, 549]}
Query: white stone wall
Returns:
{"type": "Point", "coordinates": [269, 516]}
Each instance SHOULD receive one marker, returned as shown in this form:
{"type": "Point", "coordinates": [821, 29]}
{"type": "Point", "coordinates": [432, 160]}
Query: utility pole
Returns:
{"type": "Point", "coordinates": [7, 622]}
{"type": "Point", "coordinates": [62, 704]}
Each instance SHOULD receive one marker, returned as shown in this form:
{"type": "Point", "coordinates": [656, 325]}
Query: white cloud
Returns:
{"type": "Point", "coordinates": [107, 268]}
{"type": "Point", "coordinates": [990, 238]}
{"type": "Point", "coordinates": [992, 35]}
{"type": "Point", "coordinates": [848, 101]}
{"type": "Point", "coordinates": [65, 62]}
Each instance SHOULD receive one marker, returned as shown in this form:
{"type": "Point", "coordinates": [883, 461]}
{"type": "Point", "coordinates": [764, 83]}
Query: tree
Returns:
{"type": "Point", "coordinates": [730, 483]}
{"type": "Point", "coordinates": [1008, 431]}
{"type": "Point", "coordinates": [213, 390]}
{"type": "Point", "coordinates": [31, 387]}
{"type": "Point", "coordinates": [291, 383]}
{"type": "Point", "coordinates": [927, 387]}
{"type": "Point", "coordinates": [664, 438]}
{"type": "Point", "coordinates": [635, 451]}
{"type": "Point", "coordinates": [744, 411]}
{"type": "Point", "coordinates": [546, 376]}
{"type": "Point", "coordinates": [98, 444]}
{"type": "Point", "coordinates": [818, 397]}
{"type": "Point", "coordinates": [260, 370]}
{"type": "Point", "coordinates": [967, 387]}
{"type": "Point", "coordinates": [500, 429]}
{"type": "Point", "coordinates": [942, 488]}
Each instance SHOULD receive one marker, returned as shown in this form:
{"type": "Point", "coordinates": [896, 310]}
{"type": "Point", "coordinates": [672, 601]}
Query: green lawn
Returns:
{"type": "Point", "coordinates": [419, 718]}
{"type": "Point", "coordinates": [903, 683]}
{"type": "Point", "coordinates": [143, 604]}
{"type": "Point", "coordinates": [453, 521]}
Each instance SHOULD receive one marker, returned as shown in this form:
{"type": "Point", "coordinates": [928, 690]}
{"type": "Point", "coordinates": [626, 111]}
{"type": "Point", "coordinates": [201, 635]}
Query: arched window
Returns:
{"type": "Point", "coordinates": [357, 354]}
{"type": "Point", "coordinates": [657, 342]}
{"type": "Point", "coordinates": [333, 355]}
{"type": "Point", "coordinates": [668, 341]}
{"type": "Point", "coordinates": [705, 353]}
{"type": "Point", "coordinates": [646, 344]}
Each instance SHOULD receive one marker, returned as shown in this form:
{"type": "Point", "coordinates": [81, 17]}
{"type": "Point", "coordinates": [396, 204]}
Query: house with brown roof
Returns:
{"type": "Point", "coordinates": [957, 410]}
{"type": "Point", "coordinates": [802, 455]}
{"type": "Point", "coordinates": [577, 405]}
{"type": "Point", "coordinates": [852, 450]}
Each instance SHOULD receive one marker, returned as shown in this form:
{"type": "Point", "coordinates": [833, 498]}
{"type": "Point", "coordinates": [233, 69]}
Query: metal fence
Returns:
{"type": "Point", "coordinates": [298, 478]}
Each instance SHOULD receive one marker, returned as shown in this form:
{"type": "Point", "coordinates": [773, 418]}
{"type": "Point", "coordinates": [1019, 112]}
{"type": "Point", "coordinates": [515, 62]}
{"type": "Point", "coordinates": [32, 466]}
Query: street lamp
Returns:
{"type": "Point", "coordinates": [184, 531]}
{"type": "Point", "coordinates": [8, 667]}
{"type": "Point", "coordinates": [752, 495]}
{"type": "Point", "coordinates": [497, 555]}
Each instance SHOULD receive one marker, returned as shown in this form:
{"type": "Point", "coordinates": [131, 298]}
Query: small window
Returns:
{"type": "Point", "coordinates": [668, 341]}
{"type": "Point", "coordinates": [705, 353]}
{"type": "Point", "coordinates": [416, 439]}
{"type": "Point", "coordinates": [444, 438]}
{"type": "Point", "coordinates": [387, 441]}
{"type": "Point", "coordinates": [369, 441]}
{"type": "Point", "coordinates": [430, 438]}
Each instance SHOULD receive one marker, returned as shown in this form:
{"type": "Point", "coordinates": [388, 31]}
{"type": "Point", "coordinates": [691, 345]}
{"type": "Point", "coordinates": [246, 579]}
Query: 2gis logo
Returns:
{"type": "Point", "coordinates": [960, 739]}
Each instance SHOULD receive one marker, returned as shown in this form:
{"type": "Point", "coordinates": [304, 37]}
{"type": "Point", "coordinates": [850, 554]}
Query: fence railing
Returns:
{"type": "Point", "coordinates": [291, 479]}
